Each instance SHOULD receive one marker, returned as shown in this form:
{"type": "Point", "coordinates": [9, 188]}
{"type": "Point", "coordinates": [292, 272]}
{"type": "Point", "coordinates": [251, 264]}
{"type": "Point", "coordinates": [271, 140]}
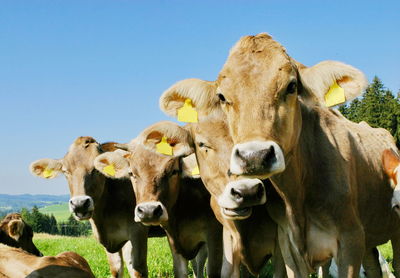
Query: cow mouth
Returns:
{"type": "Point", "coordinates": [237, 213]}
{"type": "Point", "coordinates": [83, 216]}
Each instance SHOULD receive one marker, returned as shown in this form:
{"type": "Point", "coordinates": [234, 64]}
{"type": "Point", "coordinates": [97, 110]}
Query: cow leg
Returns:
{"type": "Point", "coordinates": [116, 264]}
{"type": "Point", "coordinates": [371, 263]}
{"type": "Point", "coordinates": [278, 263]}
{"type": "Point", "coordinates": [396, 253]}
{"type": "Point", "coordinates": [294, 267]}
{"type": "Point", "coordinates": [215, 252]}
{"type": "Point", "coordinates": [180, 264]}
{"type": "Point", "coordinates": [350, 253]}
{"type": "Point", "coordinates": [231, 261]}
{"type": "Point", "coordinates": [199, 262]}
{"type": "Point", "coordinates": [136, 257]}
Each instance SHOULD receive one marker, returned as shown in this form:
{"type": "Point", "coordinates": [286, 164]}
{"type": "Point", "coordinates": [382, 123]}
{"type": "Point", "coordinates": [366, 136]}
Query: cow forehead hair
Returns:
{"type": "Point", "coordinates": [257, 43]}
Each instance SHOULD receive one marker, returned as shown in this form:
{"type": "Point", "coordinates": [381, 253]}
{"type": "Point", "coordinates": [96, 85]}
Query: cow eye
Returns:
{"type": "Point", "coordinates": [292, 87]}
{"type": "Point", "coordinates": [174, 172]}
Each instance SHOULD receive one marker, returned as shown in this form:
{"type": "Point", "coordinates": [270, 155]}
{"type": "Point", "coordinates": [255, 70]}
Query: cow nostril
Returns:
{"type": "Point", "coordinates": [238, 154]}
{"type": "Point", "coordinates": [140, 210]}
{"type": "Point", "coordinates": [260, 191]}
{"type": "Point", "coordinates": [396, 207]}
{"type": "Point", "coordinates": [86, 204]}
{"type": "Point", "coordinates": [158, 211]}
{"type": "Point", "coordinates": [236, 194]}
{"type": "Point", "coordinates": [70, 202]}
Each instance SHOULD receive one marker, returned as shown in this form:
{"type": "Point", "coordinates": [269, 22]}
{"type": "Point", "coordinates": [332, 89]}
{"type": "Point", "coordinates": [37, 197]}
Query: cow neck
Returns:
{"type": "Point", "coordinates": [192, 204]}
{"type": "Point", "coordinates": [108, 212]}
{"type": "Point", "coordinates": [293, 184]}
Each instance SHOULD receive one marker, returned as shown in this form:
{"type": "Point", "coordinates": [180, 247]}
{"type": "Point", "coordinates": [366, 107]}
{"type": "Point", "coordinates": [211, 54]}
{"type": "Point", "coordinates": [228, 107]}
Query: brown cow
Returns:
{"type": "Point", "coordinates": [391, 163]}
{"type": "Point", "coordinates": [16, 263]}
{"type": "Point", "coordinates": [108, 204]}
{"type": "Point", "coordinates": [169, 196]}
{"type": "Point", "coordinates": [16, 233]}
{"type": "Point", "coordinates": [316, 159]}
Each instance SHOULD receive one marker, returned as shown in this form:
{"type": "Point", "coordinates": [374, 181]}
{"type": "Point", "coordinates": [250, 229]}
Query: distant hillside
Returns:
{"type": "Point", "coordinates": [14, 203]}
{"type": "Point", "coordinates": [60, 211]}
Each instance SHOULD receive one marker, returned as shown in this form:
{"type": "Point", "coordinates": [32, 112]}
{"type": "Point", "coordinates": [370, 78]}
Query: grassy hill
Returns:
{"type": "Point", "coordinates": [60, 211]}
{"type": "Point", "coordinates": [14, 203]}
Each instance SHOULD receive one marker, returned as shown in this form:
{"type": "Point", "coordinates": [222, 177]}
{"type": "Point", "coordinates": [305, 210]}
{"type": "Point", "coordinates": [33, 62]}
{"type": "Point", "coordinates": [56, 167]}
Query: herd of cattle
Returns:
{"type": "Point", "coordinates": [263, 169]}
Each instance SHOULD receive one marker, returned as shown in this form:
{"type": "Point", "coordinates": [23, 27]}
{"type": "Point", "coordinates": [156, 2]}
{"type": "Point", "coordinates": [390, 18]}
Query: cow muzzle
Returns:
{"type": "Point", "coordinates": [238, 198]}
{"type": "Point", "coordinates": [151, 213]}
{"type": "Point", "coordinates": [81, 207]}
{"type": "Point", "coordinates": [260, 159]}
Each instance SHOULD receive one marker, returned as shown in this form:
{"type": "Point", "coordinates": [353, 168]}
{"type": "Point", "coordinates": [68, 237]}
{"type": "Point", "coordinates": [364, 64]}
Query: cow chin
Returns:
{"type": "Point", "coordinates": [236, 214]}
{"type": "Point", "coordinates": [82, 216]}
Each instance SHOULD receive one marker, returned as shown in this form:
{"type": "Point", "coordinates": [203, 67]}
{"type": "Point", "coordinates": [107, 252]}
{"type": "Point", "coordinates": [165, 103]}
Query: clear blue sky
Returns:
{"type": "Point", "coordinates": [72, 68]}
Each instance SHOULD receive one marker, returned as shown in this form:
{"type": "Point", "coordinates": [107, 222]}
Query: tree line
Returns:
{"type": "Point", "coordinates": [378, 107]}
{"type": "Point", "coordinates": [43, 223]}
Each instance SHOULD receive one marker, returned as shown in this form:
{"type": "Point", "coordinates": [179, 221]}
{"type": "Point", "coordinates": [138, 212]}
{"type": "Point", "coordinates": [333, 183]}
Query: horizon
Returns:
{"type": "Point", "coordinates": [97, 68]}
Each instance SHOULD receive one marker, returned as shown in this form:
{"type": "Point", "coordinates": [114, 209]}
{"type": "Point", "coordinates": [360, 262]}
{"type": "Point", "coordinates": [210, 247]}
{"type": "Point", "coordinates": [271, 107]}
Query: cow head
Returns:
{"type": "Point", "coordinates": [391, 166]}
{"type": "Point", "coordinates": [156, 177]}
{"type": "Point", "coordinates": [86, 184]}
{"type": "Point", "coordinates": [260, 90]}
{"type": "Point", "coordinates": [18, 233]}
{"type": "Point", "coordinates": [213, 145]}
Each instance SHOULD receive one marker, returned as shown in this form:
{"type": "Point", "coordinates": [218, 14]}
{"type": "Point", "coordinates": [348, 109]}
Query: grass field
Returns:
{"type": "Point", "coordinates": [159, 256]}
{"type": "Point", "coordinates": [60, 212]}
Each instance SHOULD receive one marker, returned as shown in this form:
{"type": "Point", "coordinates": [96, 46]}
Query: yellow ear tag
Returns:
{"type": "Point", "coordinates": [163, 147]}
{"type": "Point", "coordinates": [335, 95]}
{"type": "Point", "coordinates": [195, 171]}
{"type": "Point", "coordinates": [187, 113]}
{"type": "Point", "coordinates": [47, 173]}
{"type": "Point", "coordinates": [109, 170]}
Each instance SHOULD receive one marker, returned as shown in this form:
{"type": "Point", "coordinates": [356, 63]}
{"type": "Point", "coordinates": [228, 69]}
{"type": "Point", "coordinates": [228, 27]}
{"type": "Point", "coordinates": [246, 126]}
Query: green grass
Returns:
{"type": "Point", "coordinates": [60, 212]}
{"type": "Point", "coordinates": [159, 259]}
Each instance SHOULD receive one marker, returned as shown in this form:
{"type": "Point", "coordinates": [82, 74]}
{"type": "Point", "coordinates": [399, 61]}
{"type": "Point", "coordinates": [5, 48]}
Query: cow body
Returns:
{"type": "Point", "coordinates": [168, 197]}
{"type": "Point", "coordinates": [16, 233]}
{"type": "Point", "coordinates": [107, 203]}
{"type": "Point", "coordinates": [17, 263]}
{"type": "Point", "coordinates": [326, 169]}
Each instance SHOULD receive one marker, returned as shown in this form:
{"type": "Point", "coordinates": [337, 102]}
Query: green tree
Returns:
{"type": "Point", "coordinates": [378, 107]}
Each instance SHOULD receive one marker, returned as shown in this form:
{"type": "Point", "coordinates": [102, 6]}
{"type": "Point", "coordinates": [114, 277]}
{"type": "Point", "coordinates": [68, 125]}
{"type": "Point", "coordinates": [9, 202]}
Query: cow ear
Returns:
{"type": "Point", "coordinates": [390, 161]}
{"type": "Point", "coordinates": [167, 138]}
{"type": "Point", "coordinates": [190, 168]}
{"type": "Point", "coordinates": [197, 93]}
{"type": "Point", "coordinates": [333, 82]}
{"type": "Point", "coordinates": [46, 168]}
{"type": "Point", "coordinates": [16, 228]}
{"type": "Point", "coordinates": [113, 164]}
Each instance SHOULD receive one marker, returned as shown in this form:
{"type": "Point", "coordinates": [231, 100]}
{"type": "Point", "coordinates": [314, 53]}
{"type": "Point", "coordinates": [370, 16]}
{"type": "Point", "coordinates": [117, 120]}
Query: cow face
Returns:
{"type": "Point", "coordinates": [391, 166]}
{"type": "Point", "coordinates": [155, 177]}
{"type": "Point", "coordinates": [86, 184]}
{"type": "Point", "coordinates": [18, 233]}
{"type": "Point", "coordinates": [213, 145]}
{"type": "Point", "coordinates": [260, 90]}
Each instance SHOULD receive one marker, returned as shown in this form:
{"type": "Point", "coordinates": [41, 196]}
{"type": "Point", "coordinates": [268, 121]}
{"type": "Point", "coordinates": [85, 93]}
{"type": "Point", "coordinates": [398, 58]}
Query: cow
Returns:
{"type": "Point", "coordinates": [107, 203]}
{"type": "Point", "coordinates": [16, 233]}
{"type": "Point", "coordinates": [391, 163]}
{"type": "Point", "coordinates": [168, 195]}
{"type": "Point", "coordinates": [316, 159]}
{"type": "Point", "coordinates": [17, 263]}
